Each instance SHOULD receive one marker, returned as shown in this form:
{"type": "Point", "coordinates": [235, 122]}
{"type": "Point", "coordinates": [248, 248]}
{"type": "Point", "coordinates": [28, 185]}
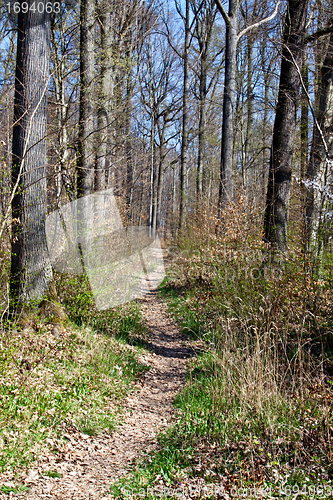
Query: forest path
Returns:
{"type": "Point", "coordinates": [91, 464]}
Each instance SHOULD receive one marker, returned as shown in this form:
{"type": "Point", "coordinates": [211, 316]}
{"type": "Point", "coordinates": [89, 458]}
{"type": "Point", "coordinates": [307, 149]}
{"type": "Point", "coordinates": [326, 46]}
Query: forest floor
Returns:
{"type": "Point", "coordinates": [90, 464]}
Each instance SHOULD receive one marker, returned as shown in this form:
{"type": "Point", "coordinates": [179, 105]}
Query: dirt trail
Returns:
{"type": "Point", "coordinates": [91, 464]}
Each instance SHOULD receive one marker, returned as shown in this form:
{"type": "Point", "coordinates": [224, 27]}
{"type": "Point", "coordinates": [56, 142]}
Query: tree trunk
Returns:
{"type": "Point", "coordinates": [174, 201]}
{"type": "Point", "coordinates": [152, 162]}
{"type": "Point", "coordinates": [227, 142]}
{"type": "Point", "coordinates": [319, 169]}
{"type": "Point", "coordinates": [128, 138]}
{"type": "Point", "coordinates": [249, 123]}
{"type": "Point", "coordinates": [59, 79]}
{"type": "Point", "coordinates": [304, 139]}
{"type": "Point", "coordinates": [104, 99]}
{"type": "Point", "coordinates": [266, 136]}
{"type": "Point", "coordinates": [279, 178]}
{"type": "Point", "coordinates": [86, 168]}
{"type": "Point", "coordinates": [202, 124]}
{"type": "Point", "coordinates": [31, 271]}
{"type": "Point", "coordinates": [160, 174]}
{"type": "Point", "coordinates": [205, 14]}
{"type": "Point", "coordinates": [184, 146]}
{"type": "Point", "coordinates": [304, 116]}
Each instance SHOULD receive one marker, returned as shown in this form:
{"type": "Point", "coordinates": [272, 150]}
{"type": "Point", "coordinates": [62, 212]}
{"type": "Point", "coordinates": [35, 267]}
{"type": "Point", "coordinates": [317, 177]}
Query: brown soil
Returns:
{"type": "Point", "coordinates": [89, 465]}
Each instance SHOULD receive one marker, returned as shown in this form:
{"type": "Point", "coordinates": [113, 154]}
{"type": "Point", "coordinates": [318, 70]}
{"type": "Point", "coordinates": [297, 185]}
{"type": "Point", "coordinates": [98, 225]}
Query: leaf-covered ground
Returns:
{"type": "Point", "coordinates": [82, 466]}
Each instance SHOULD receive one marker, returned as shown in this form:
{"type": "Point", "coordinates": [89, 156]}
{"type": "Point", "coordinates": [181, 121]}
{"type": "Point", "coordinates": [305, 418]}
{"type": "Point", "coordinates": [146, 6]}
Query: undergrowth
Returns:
{"type": "Point", "coordinates": [58, 381]}
{"type": "Point", "coordinates": [51, 385]}
{"type": "Point", "coordinates": [123, 322]}
{"type": "Point", "coordinates": [257, 407]}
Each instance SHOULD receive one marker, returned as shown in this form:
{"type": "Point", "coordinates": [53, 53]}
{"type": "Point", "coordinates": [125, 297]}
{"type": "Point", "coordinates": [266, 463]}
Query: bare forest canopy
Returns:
{"type": "Point", "coordinates": [179, 108]}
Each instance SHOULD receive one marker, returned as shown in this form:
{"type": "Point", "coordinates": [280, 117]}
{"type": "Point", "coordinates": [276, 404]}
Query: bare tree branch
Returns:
{"type": "Point", "coordinates": [310, 104]}
{"type": "Point", "coordinates": [26, 149]}
{"type": "Point", "coordinates": [222, 11]}
{"type": "Point", "coordinates": [259, 23]}
{"type": "Point", "coordinates": [318, 34]}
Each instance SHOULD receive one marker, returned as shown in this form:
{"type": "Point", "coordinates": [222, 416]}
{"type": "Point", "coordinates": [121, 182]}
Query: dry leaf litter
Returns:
{"type": "Point", "coordinates": [90, 464]}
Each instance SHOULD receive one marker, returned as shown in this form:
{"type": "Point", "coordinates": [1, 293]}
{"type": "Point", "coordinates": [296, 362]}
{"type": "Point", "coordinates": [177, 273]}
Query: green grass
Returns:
{"type": "Point", "coordinates": [257, 407]}
{"type": "Point", "coordinates": [76, 381]}
{"type": "Point", "coordinates": [53, 386]}
{"type": "Point", "coordinates": [123, 322]}
{"type": "Point", "coordinates": [13, 489]}
{"type": "Point", "coordinates": [219, 436]}
{"type": "Point", "coordinates": [52, 473]}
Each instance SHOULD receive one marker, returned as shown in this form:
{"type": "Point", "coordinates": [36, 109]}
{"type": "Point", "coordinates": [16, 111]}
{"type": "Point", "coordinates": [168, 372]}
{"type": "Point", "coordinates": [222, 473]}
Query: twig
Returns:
{"type": "Point", "coordinates": [16, 185]}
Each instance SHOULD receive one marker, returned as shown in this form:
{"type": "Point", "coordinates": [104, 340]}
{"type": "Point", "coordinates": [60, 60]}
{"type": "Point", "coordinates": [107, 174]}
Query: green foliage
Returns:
{"type": "Point", "coordinates": [124, 322]}
{"type": "Point", "coordinates": [49, 385]}
{"type": "Point", "coordinates": [14, 489]}
{"type": "Point", "coordinates": [74, 380]}
{"type": "Point", "coordinates": [188, 315]}
{"type": "Point", "coordinates": [52, 473]}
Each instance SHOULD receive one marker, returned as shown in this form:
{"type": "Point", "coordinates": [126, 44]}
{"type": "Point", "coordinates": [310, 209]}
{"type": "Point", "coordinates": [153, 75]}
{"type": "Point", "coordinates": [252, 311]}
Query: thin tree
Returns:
{"type": "Point", "coordinates": [159, 97]}
{"type": "Point", "coordinates": [184, 143]}
{"type": "Point", "coordinates": [63, 58]}
{"type": "Point", "coordinates": [227, 140]}
{"type": "Point", "coordinates": [205, 13]}
{"type": "Point", "coordinates": [319, 171]}
{"type": "Point", "coordinates": [86, 168]}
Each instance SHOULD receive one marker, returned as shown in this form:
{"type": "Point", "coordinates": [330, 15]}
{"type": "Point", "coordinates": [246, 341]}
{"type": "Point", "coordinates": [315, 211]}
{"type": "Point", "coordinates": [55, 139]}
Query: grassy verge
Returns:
{"type": "Point", "coordinates": [257, 409]}
{"type": "Point", "coordinates": [122, 322]}
{"type": "Point", "coordinates": [53, 383]}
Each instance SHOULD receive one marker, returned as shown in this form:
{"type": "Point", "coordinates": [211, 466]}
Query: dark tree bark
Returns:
{"type": "Point", "coordinates": [86, 167]}
{"type": "Point", "coordinates": [279, 178]}
{"type": "Point", "coordinates": [31, 271]}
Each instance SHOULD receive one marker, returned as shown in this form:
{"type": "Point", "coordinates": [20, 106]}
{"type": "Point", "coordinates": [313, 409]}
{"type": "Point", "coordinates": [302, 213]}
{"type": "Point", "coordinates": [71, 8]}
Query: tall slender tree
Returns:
{"type": "Point", "coordinates": [205, 13]}
{"type": "Point", "coordinates": [184, 143]}
{"type": "Point", "coordinates": [105, 95]}
{"type": "Point", "coordinates": [227, 140]}
{"type": "Point", "coordinates": [279, 179]}
{"type": "Point", "coordinates": [86, 170]}
{"type": "Point", "coordinates": [319, 171]}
